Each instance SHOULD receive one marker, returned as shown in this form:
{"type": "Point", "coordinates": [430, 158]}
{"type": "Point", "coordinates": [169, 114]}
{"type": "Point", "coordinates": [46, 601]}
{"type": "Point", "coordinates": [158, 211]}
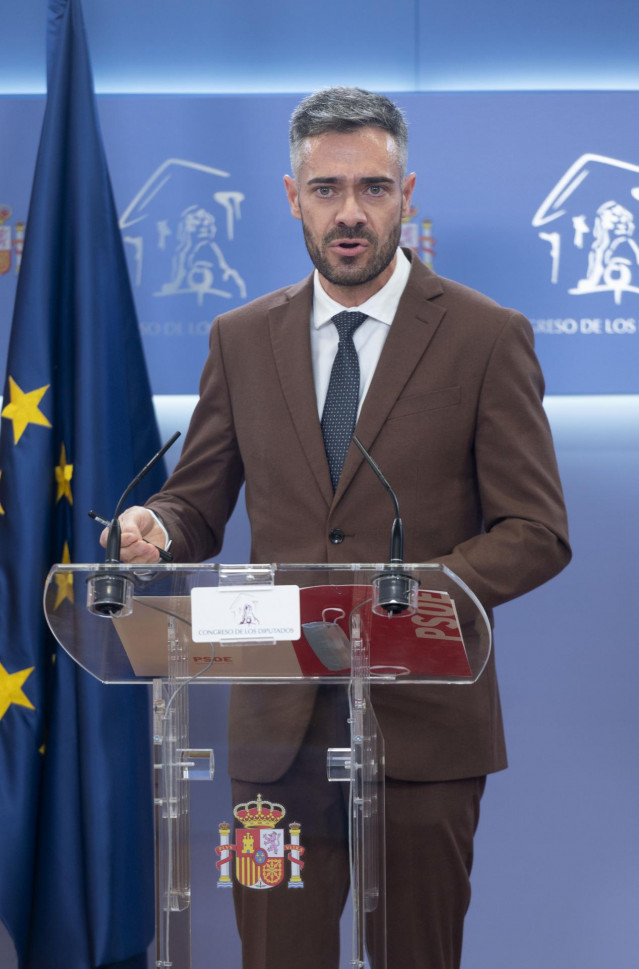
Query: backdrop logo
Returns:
{"type": "Point", "coordinates": [11, 241]}
{"type": "Point", "coordinates": [179, 230]}
{"type": "Point", "coordinates": [589, 223]}
{"type": "Point", "coordinates": [418, 236]}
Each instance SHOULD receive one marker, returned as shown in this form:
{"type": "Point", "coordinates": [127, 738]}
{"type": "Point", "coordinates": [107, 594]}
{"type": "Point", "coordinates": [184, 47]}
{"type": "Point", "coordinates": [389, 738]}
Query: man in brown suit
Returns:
{"type": "Point", "coordinates": [450, 407]}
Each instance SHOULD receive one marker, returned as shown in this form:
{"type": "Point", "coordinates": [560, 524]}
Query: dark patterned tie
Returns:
{"type": "Point", "coordinates": [340, 410]}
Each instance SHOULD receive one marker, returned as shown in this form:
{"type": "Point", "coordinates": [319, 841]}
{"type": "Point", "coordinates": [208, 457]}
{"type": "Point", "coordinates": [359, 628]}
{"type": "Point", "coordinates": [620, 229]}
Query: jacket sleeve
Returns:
{"type": "Point", "coordinates": [525, 537]}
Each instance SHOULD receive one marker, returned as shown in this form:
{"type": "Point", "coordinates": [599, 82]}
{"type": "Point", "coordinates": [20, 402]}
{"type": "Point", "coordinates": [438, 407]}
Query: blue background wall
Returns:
{"type": "Point", "coordinates": [556, 881]}
{"type": "Point", "coordinates": [200, 45]}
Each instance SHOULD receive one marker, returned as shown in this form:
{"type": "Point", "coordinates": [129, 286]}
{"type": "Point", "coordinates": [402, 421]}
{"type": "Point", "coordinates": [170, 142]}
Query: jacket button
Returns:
{"type": "Point", "coordinates": [336, 536]}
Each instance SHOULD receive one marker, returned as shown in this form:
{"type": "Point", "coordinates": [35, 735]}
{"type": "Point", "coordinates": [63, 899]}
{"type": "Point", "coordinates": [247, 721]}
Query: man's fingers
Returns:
{"type": "Point", "coordinates": [137, 536]}
{"type": "Point", "coordinates": [139, 552]}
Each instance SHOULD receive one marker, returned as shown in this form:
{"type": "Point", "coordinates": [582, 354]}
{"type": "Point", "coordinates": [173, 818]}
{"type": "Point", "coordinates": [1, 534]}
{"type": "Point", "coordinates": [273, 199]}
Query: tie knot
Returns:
{"type": "Point", "coordinates": [347, 322]}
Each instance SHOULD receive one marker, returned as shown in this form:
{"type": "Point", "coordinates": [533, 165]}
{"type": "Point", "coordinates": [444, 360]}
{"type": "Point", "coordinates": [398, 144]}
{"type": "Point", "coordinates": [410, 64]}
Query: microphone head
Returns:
{"type": "Point", "coordinates": [110, 595]}
{"type": "Point", "coordinates": [394, 593]}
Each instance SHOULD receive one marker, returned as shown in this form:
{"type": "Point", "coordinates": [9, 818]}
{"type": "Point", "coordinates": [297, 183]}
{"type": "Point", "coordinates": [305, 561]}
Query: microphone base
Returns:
{"type": "Point", "coordinates": [394, 593]}
{"type": "Point", "coordinates": [110, 595]}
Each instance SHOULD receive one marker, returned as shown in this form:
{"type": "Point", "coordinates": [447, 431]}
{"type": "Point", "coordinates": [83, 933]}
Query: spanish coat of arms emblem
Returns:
{"type": "Point", "coordinates": [259, 847]}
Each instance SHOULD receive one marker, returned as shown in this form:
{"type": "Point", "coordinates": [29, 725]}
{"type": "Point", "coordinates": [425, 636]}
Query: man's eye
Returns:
{"type": "Point", "coordinates": [324, 191]}
{"type": "Point", "coordinates": [376, 189]}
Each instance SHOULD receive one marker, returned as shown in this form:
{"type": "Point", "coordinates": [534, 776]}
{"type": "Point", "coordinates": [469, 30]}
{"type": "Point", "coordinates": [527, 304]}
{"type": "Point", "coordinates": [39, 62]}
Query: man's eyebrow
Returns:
{"type": "Point", "coordinates": [366, 180]}
{"type": "Point", "coordinates": [377, 180]}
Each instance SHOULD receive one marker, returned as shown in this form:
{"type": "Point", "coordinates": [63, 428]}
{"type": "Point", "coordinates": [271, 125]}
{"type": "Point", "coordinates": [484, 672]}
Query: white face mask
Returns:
{"type": "Point", "coordinates": [328, 641]}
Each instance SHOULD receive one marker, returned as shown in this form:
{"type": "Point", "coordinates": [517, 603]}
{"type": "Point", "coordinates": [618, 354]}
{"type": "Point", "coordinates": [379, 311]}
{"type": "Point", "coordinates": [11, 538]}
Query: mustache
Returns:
{"type": "Point", "coordinates": [350, 232]}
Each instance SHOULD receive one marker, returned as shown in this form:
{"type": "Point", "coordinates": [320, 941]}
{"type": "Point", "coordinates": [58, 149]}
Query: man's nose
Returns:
{"type": "Point", "coordinates": [350, 212]}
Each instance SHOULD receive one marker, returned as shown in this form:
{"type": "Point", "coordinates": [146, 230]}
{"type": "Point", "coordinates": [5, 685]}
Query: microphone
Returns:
{"type": "Point", "coordinates": [164, 555]}
{"type": "Point", "coordinates": [395, 590]}
{"type": "Point", "coordinates": [110, 594]}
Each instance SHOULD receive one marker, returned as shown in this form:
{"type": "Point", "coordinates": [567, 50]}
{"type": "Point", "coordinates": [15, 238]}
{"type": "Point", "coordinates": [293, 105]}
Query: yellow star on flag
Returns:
{"type": "Point", "coordinates": [64, 580]}
{"type": "Point", "coordinates": [1, 508]}
{"type": "Point", "coordinates": [23, 409]}
{"type": "Point", "coordinates": [63, 475]}
{"type": "Point", "coordinates": [11, 689]}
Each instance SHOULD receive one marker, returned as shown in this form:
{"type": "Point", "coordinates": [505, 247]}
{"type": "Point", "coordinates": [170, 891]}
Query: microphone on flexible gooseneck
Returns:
{"type": "Point", "coordinates": [110, 592]}
{"type": "Point", "coordinates": [396, 591]}
{"type": "Point", "coordinates": [113, 540]}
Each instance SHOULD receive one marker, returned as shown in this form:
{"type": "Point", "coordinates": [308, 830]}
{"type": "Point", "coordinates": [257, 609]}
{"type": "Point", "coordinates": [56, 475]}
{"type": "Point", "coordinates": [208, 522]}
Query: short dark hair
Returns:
{"type": "Point", "coordinates": [344, 109]}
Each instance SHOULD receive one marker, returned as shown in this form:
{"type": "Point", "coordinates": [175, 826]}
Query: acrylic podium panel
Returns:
{"type": "Point", "coordinates": [359, 625]}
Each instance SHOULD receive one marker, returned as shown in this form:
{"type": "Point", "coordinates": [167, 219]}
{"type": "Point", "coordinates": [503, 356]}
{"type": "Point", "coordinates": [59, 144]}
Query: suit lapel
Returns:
{"type": "Point", "coordinates": [290, 338]}
{"type": "Point", "coordinates": [413, 328]}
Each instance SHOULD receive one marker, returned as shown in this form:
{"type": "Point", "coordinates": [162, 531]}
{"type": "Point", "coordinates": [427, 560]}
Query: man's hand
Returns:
{"type": "Point", "coordinates": [140, 533]}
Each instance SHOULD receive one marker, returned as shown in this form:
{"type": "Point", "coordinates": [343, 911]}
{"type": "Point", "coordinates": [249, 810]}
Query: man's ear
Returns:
{"type": "Point", "coordinates": [407, 192]}
{"type": "Point", "coordinates": [293, 196]}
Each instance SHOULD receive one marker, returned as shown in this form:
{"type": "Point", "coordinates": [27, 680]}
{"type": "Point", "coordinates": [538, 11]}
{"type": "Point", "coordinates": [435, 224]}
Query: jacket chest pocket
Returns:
{"type": "Point", "coordinates": [420, 403]}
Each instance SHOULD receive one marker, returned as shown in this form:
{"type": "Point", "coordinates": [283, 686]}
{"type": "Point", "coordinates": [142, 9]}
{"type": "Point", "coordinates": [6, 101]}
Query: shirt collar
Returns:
{"type": "Point", "coordinates": [382, 306]}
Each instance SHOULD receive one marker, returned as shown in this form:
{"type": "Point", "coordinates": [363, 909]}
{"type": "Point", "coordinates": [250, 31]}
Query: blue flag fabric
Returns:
{"type": "Point", "coordinates": [76, 850]}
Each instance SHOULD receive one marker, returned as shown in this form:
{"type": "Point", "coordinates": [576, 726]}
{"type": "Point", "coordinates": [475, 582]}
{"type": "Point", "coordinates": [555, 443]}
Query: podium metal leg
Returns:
{"type": "Point", "coordinates": [172, 829]}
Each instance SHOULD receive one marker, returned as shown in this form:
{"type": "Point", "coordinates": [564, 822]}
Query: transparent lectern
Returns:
{"type": "Point", "coordinates": [353, 627]}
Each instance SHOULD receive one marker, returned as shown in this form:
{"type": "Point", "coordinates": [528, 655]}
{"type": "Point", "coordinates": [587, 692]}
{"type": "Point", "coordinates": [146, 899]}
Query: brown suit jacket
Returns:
{"type": "Point", "coordinates": [453, 417]}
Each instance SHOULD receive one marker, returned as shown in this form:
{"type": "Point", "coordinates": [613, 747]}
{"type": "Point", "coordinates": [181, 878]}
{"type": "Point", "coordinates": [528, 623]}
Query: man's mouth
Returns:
{"type": "Point", "coordinates": [349, 247]}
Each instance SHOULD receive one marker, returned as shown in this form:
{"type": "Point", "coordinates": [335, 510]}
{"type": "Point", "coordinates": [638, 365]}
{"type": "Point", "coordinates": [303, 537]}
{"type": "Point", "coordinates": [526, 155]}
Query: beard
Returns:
{"type": "Point", "coordinates": [347, 272]}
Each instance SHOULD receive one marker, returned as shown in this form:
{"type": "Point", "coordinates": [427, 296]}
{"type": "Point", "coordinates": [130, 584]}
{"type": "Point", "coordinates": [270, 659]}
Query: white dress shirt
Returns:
{"type": "Point", "coordinates": [369, 337]}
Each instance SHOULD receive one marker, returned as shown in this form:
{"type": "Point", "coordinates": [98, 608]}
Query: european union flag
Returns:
{"type": "Point", "coordinates": [76, 854]}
